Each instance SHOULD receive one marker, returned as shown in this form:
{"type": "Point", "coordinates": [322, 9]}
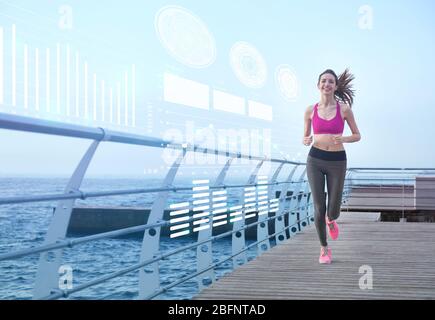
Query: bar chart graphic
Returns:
{"type": "Point", "coordinates": [210, 209]}
{"type": "Point", "coordinates": [57, 83]}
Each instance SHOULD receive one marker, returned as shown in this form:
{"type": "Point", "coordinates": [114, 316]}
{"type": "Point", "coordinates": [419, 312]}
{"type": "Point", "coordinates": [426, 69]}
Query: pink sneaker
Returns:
{"type": "Point", "coordinates": [333, 228]}
{"type": "Point", "coordinates": [325, 256]}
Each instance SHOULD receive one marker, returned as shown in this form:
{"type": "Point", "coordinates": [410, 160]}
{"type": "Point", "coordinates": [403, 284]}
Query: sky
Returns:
{"type": "Point", "coordinates": [232, 47]}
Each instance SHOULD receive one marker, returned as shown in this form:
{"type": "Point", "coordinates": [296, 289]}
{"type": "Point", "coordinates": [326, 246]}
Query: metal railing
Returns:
{"type": "Point", "coordinates": [294, 209]}
{"type": "Point", "coordinates": [293, 213]}
{"type": "Point", "coordinates": [399, 192]}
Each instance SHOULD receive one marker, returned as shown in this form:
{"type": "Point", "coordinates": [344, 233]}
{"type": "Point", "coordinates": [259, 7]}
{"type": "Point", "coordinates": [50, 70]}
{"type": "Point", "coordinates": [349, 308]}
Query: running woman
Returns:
{"type": "Point", "coordinates": [327, 157]}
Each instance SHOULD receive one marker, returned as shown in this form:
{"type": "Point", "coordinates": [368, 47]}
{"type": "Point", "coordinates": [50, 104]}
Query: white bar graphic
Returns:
{"type": "Point", "coordinates": [275, 204]}
{"type": "Point", "coordinates": [58, 77]}
{"type": "Point", "coordinates": [133, 96]}
{"type": "Point", "coordinates": [250, 189]}
{"type": "Point", "coordinates": [186, 92]}
{"type": "Point", "coordinates": [77, 85]}
{"type": "Point", "coordinates": [201, 208]}
{"type": "Point", "coordinates": [199, 215]}
{"type": "Point", "coordinates": [262, 192]}
{"type": "Point", "coordinates": [220, 211]}
{"type": "Point", "coordinates": [216, 193]}
{"type": "Point", "coordinates": [68, 80]}
{"type": "Point", "coordinates": [86, 91]}
{"type": "Point", "coordinates": [262, 197]}
{"type": "Point", "coordinates": [181, 208]}
{"type": "Point", "coordinates": [179, 234]}
{"type": "Point", "coordinates": [236, 219]}
{"type": "Point", "coordinates": [219, 199]}
{"type": "Point", "coordinates": [103, 108]}
{"type": "Point", "coordinates": [37, 79]}
{"type": "Point", "coordinates": [227, 102]}
{"type": "Point", "coordinates": [238, 213]}
{"type": "Point", "coordinates": [94, 95]}
{"type": "Point", "coordinates": [47, 79]}
{"type": "Point", "coordinates": [14, 65]}
{"type": "Point", "coordinates": [259, 110]}
{"type": "Point", "coordinates": [1, 66]}
{"type": "Point", "coordinates": [178, 227]}
{"type": "Point", "coordinates": [201, 201]}
{"type": "Point", "coordinates": [118, 100]}
{"type": "Point", "coordinates": [176, 220]}
{"type": "Point", "coordinates": [252, 204]}
{"type": "Point", "coordinates": [111, 105]}
{"type": "Point", "coordinates": [217, 224]}
{"type": "Point", "coordinates": [178, 212]}
{"type": "Point", "coordinates": [249, 194]}
{"type": "Point", "coordinates": [26, 76]}
{"type": "Point", "coordinates": [201, 228]}
{"type": "Point", "coordinates": [219, 217]}
{"type": "Point", "coordinates": [263, 212]}
{"type": "Point", "coordinates": [126, 98]}
{"type": "Point", "coordinates": [274, 210]}
{"type": "Point", "coordinates": [200, 188]}
{"type": "Point", "coordinates": [201, 195]}
{"type": "Point", "coordinates": [250, 216]}
{"type": "Point", "coordinates": [219, 205]}
{"type": "Point", "coordinates": [250, 199]}
{"type": "Point", "coordinates": [179, 205]}
{"type": "Point", "coordinates": [202, 221]}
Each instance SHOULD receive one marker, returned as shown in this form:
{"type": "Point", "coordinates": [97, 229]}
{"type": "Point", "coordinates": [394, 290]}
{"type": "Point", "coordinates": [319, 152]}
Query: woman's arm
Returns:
{"type": "Point", "coordinates": [349, 117]}
{"type": "Point", "coordinates": [308, 139]}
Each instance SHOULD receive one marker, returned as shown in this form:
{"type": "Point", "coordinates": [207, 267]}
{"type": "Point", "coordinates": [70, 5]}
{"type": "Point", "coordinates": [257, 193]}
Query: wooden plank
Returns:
{"type": "Point", "coordinates": [401, 256]}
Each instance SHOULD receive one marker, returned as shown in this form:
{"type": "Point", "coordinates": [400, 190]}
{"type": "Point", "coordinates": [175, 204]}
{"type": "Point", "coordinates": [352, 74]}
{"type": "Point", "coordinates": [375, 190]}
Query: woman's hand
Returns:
{"type": "Point", "coordinates": [307, 140]}
{"type": "Point", "coordinates": [337, 139]}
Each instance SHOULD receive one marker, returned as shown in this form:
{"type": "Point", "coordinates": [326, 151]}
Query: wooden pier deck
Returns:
{"type": "Point", "coordinates": [401, 256]}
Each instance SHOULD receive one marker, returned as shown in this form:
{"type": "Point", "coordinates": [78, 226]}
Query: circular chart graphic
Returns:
{"type": "Point", "coordinates": [287, 82]}
{"type": "Point", "coordinates": [185, 37]}
{"type": "Point", "coordinates": [248, 65]}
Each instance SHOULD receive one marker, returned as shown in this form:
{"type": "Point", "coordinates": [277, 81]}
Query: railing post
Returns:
{"type": "Point", "coordinates": [47, 276]}
{"type": "Point", "coordinates": [303, 216]}
{"type": "Point", "coordinates": [295, 206]}
{"type": "Point", "coordinates": [204, 252]}
{"type": "Point", "coordinates": [238, 237]}
{"type": "Point", "coordinates": [283, 207]}
{"type": "Point", "coordinates": [149, 280]}
{"type": "Point", "coordinates": [347, 185]}
{"type": "Point", "coordinates": [263, 226]}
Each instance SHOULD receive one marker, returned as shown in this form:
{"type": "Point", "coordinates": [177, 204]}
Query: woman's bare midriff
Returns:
{"type": "Point", "coordinates": [326, 142]}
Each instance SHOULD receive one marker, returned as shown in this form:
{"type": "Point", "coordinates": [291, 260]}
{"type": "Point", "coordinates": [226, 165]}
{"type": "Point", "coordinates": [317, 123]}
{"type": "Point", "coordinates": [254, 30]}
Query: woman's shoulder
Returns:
{"type": "Point", "coordinates": [344, 108]}
{"type": "Point", "coordinates": [309, 110]}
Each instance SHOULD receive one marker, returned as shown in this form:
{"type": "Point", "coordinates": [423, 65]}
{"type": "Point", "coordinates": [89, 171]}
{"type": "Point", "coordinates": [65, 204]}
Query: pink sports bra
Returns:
{"type": "Point", "coordinates": [333, 126]}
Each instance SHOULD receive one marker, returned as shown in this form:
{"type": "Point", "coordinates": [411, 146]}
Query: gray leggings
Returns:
{"type": "Point", "coordinates": [334, 171]}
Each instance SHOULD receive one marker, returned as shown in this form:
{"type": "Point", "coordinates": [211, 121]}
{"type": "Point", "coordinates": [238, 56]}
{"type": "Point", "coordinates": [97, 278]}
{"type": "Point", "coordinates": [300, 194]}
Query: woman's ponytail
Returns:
{"type": "Point", "coordinates": [344, 90]}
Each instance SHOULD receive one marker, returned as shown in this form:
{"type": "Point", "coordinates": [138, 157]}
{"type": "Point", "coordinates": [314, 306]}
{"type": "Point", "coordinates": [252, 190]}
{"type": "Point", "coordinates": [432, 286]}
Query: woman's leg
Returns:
{"type": "Point", "coordinates": [335, 174]}
{"type": "Point", "coordinates": [316, 179]}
